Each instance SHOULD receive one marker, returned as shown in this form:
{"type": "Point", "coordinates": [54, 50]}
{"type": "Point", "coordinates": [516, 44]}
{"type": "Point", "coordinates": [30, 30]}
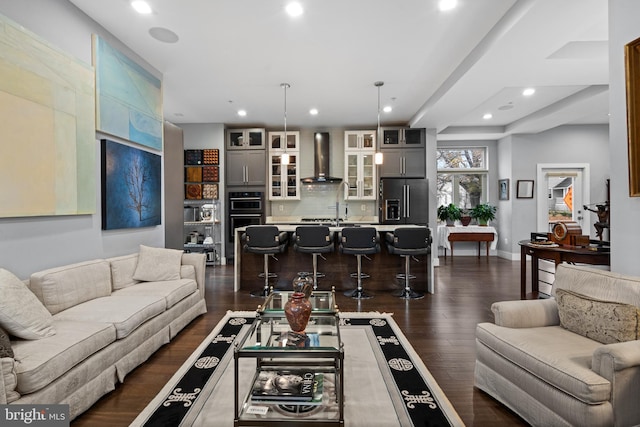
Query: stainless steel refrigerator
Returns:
{"type": "Point", "coordinates": [404, 201]}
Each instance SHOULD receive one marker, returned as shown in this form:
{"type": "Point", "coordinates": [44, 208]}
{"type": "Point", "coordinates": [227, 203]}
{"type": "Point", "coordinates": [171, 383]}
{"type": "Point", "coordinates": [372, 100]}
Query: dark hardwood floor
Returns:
{"type": "Point", "coordinates": [441, 328]}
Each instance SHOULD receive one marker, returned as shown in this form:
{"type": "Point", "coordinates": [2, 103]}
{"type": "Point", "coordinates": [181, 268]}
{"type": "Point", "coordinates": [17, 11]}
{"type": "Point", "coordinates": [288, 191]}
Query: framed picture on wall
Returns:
{"type": "Point", "coordinates": [524, 189]}
{"type": "Point", "coordinates": [503, 189]}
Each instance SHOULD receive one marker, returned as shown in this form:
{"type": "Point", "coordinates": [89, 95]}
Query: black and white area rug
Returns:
{"type": "Point", "coordinates": [385, 382]}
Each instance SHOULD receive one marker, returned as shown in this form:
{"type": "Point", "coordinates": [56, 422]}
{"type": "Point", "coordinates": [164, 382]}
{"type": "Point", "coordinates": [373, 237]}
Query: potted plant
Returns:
{"type": "Point", "coordinates": [449, 213]}
{"type": "Point", "coordinates": [483, 213]}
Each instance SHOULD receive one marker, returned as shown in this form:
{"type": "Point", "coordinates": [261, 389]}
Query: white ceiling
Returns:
{"type": "Point", "coordinates": [441, 70]}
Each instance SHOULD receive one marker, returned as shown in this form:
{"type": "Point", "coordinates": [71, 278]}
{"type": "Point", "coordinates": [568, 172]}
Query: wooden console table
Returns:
{"type": "Point", "coordinates": [448, 235]}
{"type": "Point", "coordinates": [564, 253]}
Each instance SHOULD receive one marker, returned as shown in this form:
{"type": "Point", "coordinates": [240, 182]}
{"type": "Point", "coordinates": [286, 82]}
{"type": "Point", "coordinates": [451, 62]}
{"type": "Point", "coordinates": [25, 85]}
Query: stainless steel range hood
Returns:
{"type": "Point", "coordinates": [321, 175]}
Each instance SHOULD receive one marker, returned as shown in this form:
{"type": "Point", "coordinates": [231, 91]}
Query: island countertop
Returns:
{"type": "Point", "coordinates": [242, 274]}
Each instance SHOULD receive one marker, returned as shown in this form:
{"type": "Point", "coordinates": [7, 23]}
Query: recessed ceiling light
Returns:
{"type": "Point", "coordinates": [242, 113]}
{"type": "Point", "coordinates": [313, 111]}
{"type": "Point", "coordinates": [487, 116]}
{"type": "Point", "coordinates": [294, 9]}
{"type": "Point", "coordinates": [141, 7]}
{"type": "Point", "coordinates": [445, 5]}
{"type": "Point", "coordinates": [528, 91]}
{"type": "Point", "coordinates": [387, 109]}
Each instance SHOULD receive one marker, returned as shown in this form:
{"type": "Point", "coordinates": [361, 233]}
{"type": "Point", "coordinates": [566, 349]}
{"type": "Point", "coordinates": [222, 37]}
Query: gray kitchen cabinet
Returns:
{"type": "Point", "coordinates": [246, 167]}
{"type": "Point", "coordinates": [403, 162]}
{"type": "Point", "coordinates": [401, 137]}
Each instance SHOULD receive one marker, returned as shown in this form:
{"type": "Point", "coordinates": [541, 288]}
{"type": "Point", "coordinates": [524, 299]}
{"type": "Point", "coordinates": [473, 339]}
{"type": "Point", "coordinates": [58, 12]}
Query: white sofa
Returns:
{"type": "Point", "coordinates": [573, 359]}
{"type": "Point", "coordinates": [85, 326]}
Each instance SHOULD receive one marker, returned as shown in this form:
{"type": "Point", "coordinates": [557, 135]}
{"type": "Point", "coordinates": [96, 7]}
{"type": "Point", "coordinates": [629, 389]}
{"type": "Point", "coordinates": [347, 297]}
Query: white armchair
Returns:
{"type": "Point", "coordinates": [570, 360]}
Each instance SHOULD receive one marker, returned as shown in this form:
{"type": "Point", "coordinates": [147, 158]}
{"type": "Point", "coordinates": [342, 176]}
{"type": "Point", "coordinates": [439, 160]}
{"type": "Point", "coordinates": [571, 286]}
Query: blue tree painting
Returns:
{"type": "Point", "coordinates": [131, 187]}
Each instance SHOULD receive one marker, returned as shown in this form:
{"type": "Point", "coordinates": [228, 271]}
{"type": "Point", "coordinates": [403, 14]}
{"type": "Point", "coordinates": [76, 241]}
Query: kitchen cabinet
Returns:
{"type": "Point", "coordinates": [400, 137]}
{"type": "Point", "coordinates": [360, 168]}
{"type": "Point", "coordinates": [403, 163]}
{"type": "Point", "coordinates": [245, 139]}
{"type": "Point", "coordinates": [246, 168]}
{"type": "Point", "coordinates": [360, 139]}
{"type": "Point", "coordinates": [360, 174]}
{"type": "Point", "coordinates": [284, 180]}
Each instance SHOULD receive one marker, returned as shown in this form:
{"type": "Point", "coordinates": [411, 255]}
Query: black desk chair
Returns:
{"type": "Point", "coordinates": [267, 240]}
{"type": "Point", "coordinates": [359, 241]}
{"type": "Point", "coordinates": [315, 240]}
{"type": "Point", "coordinates": [409, 242]}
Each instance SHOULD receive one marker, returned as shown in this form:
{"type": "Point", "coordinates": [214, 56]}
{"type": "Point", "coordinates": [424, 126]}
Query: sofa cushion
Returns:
{"type": "Point", "coordinates": [604, 321]}
{"type": "Point", "coordinates": [553, 354]}
{"type": "Point", "coordinates": [9, 379]}
{"type": "Point", "coordinates": [63, 287]}
{"type": "Point", "coordinates": [5, 344]}
{"type": "Point", "coordinates": [157, 264]}
{"type": "Point", "coordinates": [173, 291]}
{"type": "Point", "coordinates": [125, 312]}
{"type": "Point", "coordinates": [38, 363]}
{"type": "Point", "coordinates": [21, 314]}
{"type": "Point", "coordinates": [122, 270]}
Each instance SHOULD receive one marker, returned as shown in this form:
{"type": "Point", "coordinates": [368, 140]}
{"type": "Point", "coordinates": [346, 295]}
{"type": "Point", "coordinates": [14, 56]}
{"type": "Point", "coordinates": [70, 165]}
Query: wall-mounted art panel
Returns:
{"type": "Point", "coordinates": [128, 98]}
{"type": "Point", "coordinates": [47, 128]}
{"type": "Point", "coordinates": [131, 187]}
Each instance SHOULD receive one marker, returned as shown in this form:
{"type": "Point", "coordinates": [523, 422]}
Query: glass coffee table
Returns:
{"type": "Point", "coordinates": [271, 354]}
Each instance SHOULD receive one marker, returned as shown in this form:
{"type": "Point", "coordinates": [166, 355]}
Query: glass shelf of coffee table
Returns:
{"type": "Point", "coordinates": [270, 346]}
{"type": "Point", "coordinates": [322, 303]}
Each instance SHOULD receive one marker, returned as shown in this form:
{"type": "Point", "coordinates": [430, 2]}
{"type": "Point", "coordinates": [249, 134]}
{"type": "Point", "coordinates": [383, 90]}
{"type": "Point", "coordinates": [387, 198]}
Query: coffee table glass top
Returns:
{"type": "Point", "coordinates": [322, 302]}
{"type": "Point", "coordinates": [272, 333]}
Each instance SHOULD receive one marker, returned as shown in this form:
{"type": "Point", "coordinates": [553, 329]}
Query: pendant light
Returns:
{"type": "Point", "coordinates": [378, 156]}
{"type": "Point", "coordinates": [284, 158]}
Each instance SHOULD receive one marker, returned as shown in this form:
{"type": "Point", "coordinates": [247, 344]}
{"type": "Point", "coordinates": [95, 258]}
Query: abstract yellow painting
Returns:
{"type": "Point", "coordinates": [47, 128]}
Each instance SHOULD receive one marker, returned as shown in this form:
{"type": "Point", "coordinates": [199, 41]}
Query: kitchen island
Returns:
{"type": "Point", "coordinates": [337, 267]}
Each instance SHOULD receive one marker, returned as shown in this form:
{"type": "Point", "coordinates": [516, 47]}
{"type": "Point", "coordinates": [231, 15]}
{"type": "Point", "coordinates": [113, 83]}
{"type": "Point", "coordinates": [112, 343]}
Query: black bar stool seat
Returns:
{"type": "Point", "coordinates": [359, 241]}
{"type": "Point", "coordinates": [266, 240]}
{"type": "Point", "coordinates": [315, 240]}
{"type": "Point", "coordinates": [409, 242]}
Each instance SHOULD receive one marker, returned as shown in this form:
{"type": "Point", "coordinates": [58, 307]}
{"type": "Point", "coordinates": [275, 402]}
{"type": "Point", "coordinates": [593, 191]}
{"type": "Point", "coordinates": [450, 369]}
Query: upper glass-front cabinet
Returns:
{"type": "Point", "coordinates": [399, 137]}
{"type": "Point", "coordinates": [360, 174]}
{"type": "Point", "coordinates": [276, 140]}
{"type": "Point", "coordinates": [355, 139]}
{"type": "Point", "coordinates": [245, 139]}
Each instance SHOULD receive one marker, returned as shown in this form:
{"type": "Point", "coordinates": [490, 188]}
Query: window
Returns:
{"type": "Point", "coordinates": [462, 176]}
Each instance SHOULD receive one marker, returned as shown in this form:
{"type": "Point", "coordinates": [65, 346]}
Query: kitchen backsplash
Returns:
{"type": "Point", "coordinates": [320, 202]}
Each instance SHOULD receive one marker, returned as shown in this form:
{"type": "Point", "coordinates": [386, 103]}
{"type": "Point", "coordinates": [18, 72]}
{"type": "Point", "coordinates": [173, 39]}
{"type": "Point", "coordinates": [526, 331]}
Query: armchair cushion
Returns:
{"type": "Point", "coordinates": [526, 313]}
{"type": "Point", "coordinates": [603, 321]}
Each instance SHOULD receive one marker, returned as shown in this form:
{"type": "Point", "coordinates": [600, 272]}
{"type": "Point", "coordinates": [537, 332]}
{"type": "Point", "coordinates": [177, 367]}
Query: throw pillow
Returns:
{"type": "Point", "coordinates": [5, 345]}
{"type": "Point", "coordinates": [21, 313]}
{"type": "Point", "coordinates": [158, 264]}
{"type": "Point", "coordinates": [603, 321]}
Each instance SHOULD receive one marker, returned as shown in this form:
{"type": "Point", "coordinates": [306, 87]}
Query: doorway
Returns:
{"type": "Point", "coordinates": [563, 190]}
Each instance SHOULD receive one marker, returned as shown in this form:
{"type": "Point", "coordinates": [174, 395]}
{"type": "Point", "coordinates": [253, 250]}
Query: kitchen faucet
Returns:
{"type": "Point", "coordinates": [343, 183]}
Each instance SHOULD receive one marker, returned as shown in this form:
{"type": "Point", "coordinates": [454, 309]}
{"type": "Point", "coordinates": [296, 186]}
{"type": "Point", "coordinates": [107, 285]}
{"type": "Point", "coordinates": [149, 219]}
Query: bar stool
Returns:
{"type": "Point", "coordinates": [267, 240]}
{"type": "Point", "coordinates": [315, 240]}
{"type": "Point", "coordinates": [359, 241]}
{"type": "Point", "coordinates": [409, 242]}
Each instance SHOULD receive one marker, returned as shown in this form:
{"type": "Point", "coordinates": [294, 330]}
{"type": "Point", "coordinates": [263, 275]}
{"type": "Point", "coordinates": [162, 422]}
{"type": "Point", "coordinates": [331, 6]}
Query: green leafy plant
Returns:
{"type": "Point", "coordinates": [483, 213]}
{"type": "Point", "coordinates": [449, 212]}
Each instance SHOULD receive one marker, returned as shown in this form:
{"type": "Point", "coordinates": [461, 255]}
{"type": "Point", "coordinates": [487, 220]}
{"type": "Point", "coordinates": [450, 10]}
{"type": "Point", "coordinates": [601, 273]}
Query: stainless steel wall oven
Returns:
{"type": "Point", "coordinates": [245, 208]}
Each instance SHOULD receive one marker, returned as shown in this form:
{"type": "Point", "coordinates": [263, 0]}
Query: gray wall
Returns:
{"type": "Point", "coordinates": [625, 210]}
{"type": "Point", "coordinates": [522, 153]}
{"type": "Point", "coordinates": [32, 244]}
{"type": "Point", "coordinates": [198, 136]}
